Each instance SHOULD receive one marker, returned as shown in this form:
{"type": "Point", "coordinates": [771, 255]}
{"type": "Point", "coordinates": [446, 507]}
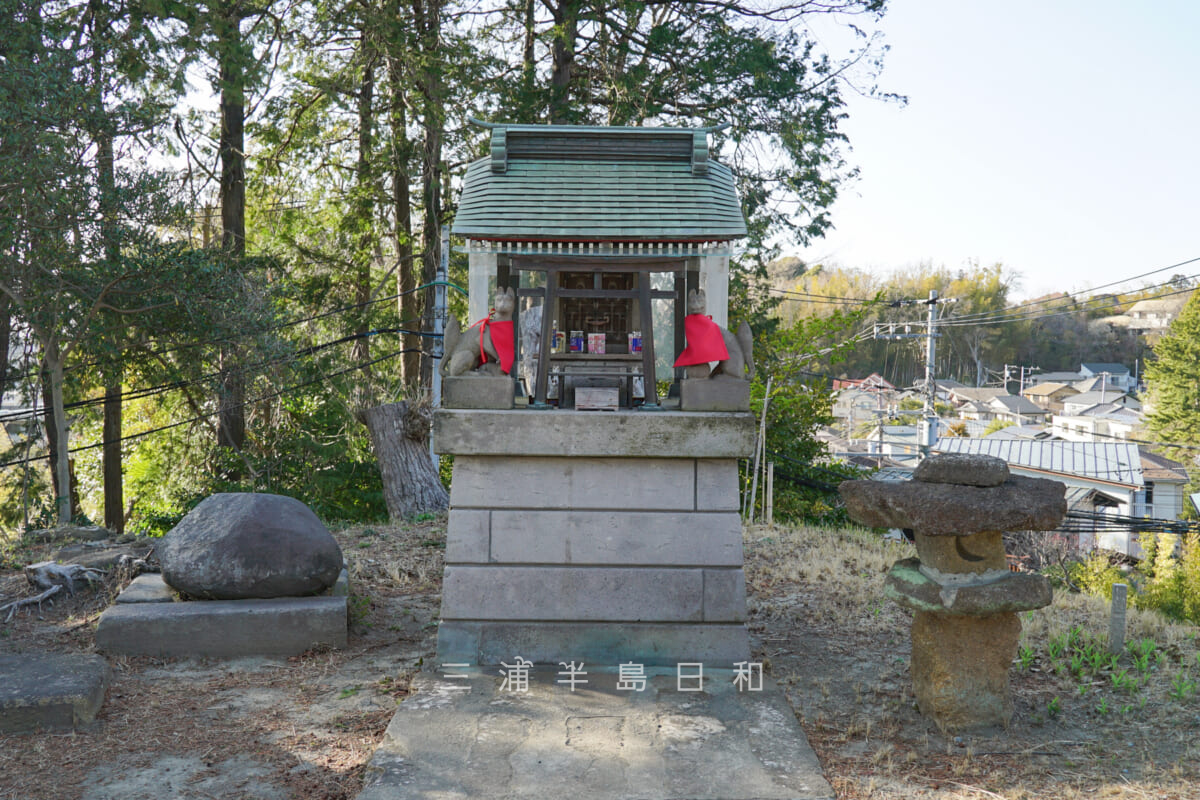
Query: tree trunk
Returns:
{"type": "Point", "coordinates": [114, 489]}
{"type": "Point", "coordinates": [5, 338]}
{"type": "Point", "coordinates": [364, 207]}
{"type": "Point", "coordinates": [400, 437]}
{"type": "Point", "coordinates": [232, 144]}
{"type": "Point", "coordinates": [56, 421]}
{"type": "Point", "coordinates": [429, 21]}
{"type": "Point", "coordinates": [231, 421]}
{"type": "Point", "coordinates": [566, 24]}
{"type": "Point", "coordinates": [406, 272]}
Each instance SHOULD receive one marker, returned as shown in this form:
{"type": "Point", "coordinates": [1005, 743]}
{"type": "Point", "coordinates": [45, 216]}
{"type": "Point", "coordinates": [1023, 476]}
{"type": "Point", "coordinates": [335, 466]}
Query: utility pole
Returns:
{"type": "Point", "coordinates": [929, 424]}
{"type": "Point", "coordinates": [1023, 372]}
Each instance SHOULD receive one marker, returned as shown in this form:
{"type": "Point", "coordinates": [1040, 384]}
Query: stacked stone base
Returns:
{"type": "Point", "coordinates": [598, 538]}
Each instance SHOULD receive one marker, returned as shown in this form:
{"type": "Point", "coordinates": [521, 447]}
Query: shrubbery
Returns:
{"type": "Point", "coordinates": [1166, 580]}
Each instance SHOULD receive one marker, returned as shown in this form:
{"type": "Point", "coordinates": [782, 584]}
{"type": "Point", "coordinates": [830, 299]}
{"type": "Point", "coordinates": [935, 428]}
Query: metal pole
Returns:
{"type": "Point", "coordinates": [930, 395]}
{"type": "Point", "coordinates": [439, 328]}
{"type": "Point", "coordinates": [760, 448]}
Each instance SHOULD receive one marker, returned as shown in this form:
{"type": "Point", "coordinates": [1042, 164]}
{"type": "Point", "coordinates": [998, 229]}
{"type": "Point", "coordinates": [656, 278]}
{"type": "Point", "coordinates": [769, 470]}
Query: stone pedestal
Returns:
{"type": "Point", "coordinates": [960, 668]}
{"type": "Point", "coordinates": [596, 538]}
{"type": "Point", "coordinates": [714, 394]}
{"type": "Point", "coordinates": [478, 391]}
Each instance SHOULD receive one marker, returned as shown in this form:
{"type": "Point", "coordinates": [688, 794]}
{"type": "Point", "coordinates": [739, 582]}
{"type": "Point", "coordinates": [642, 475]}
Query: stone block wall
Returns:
{"type": "Point", "coordinates": [595, 537]}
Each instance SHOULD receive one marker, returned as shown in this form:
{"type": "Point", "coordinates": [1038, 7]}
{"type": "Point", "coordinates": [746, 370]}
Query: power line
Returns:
{"type": "Point", "coordinates": [1068, 306]}
{"type": "Point", "coordinates": [199, 417]}
{"type": "Point", "coordinates": [151, 391]}
{"type": "Point", "coordinates": [258, 332]}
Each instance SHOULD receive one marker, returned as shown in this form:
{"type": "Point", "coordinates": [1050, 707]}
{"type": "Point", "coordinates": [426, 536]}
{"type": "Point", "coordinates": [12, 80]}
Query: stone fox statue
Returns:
{"type": "Point", "coordinates": [486, 346]}
{"type": "Point", "coordinates": [707, 341]}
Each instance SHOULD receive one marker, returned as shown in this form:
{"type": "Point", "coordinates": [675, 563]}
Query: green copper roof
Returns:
{"type": "Point", "coordinates": [566, 183]}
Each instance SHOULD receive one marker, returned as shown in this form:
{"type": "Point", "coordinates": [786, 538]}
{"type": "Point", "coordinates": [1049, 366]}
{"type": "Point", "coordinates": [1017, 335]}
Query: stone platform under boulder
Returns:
{"type": "Point", "coordinates": [470, 737]}
{"type": "Point", "coordinates": [259, 574]}
{"type": "Point", "coordinates": [50, 692]}
{"type": "Point", "coordinates": [148, 619]}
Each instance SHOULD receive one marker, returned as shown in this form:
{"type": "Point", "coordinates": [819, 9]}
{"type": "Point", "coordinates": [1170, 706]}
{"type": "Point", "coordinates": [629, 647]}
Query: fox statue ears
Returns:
{"type": "Point", "coordinates": [697, 301]}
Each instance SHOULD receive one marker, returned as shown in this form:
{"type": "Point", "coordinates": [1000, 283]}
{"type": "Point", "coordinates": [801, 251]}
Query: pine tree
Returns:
{"type": "Point", "coordinates": [1173, 381]}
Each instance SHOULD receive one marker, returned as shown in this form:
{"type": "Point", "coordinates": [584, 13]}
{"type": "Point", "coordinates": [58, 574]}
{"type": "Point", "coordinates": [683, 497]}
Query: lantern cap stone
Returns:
{"type": "Point", "coordinates": [943, 509]}
{"type": "Point", "coordinates": [962, 469]}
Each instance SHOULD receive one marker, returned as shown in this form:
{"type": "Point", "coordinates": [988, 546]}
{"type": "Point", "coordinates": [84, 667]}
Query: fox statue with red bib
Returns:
{"type": "Point", "coordinates": [485, 348]}
{"type": "Point", "coordinates": [708, 342]}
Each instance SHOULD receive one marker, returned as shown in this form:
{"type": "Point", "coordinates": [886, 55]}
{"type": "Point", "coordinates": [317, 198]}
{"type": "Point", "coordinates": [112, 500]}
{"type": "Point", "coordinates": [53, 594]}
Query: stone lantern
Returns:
{"type": "Point", "coordinates": [964, 599]}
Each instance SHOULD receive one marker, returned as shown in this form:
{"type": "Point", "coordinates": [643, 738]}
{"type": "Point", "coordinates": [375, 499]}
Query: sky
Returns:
{"type": "Point", "coordinates": [1059, 138]}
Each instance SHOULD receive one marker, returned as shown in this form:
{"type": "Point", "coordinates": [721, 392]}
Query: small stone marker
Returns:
{"type": "Point", "coordinates": [1116, 620]}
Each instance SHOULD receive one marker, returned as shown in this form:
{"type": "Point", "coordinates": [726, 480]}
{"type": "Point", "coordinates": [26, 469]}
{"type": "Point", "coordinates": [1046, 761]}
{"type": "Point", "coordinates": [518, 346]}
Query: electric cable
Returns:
{"type": "Point", "coordinates": [197, 418]}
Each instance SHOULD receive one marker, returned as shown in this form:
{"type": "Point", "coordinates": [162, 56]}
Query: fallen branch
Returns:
{"type": "Point", "coordinates": [45, 574]}
{"type": "Point", "coordinates": [12, 607]}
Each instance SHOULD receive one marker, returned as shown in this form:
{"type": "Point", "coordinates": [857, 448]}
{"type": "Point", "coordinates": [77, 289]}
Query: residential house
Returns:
{"type": "Point", "coordinates": [1055, 377]}
{"type": "Point", "coordinates": [977, 410]}
{"type": "Point", "coordinates": [1104, 478]}
{"type": "Point", "coordinates": [1118, 374]}
{"type": "Point", "coordinates": [900, 443]}
{"type": "Point", "coordinates": [1103, 422]}
{"type": "Point", "coordinates": [1164, 479]}
{"type": "Point", "coordinates": [1050, 396]}
{"type": "Point", "coordinates": [1085, 400]}
{"type": "Point", "coordinates": [1151, 318]}
{"type": "Point", "coordinates": [1017, 410]}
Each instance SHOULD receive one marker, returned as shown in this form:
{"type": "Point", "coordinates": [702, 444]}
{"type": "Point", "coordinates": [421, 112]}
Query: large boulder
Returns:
{"type": "Point", "coordinates": [237, 546]}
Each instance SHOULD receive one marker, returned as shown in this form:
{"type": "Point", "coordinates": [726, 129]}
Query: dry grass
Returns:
{"type": "Point", "coordinates": [841, 650]}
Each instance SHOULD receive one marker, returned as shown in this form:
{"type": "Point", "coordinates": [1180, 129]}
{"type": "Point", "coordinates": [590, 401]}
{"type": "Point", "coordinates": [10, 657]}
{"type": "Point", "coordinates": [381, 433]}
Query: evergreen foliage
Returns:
{"type": "Point", "coordinates": [1175, 388]}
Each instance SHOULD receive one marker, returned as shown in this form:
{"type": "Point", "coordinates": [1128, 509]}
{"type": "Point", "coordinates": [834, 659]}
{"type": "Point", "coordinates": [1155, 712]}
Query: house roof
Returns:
{"type": "Point", "coordinates": [1111, 462]}
{"type": "Point", "coordinates": [1017, 432]}
{"type": "Point", "coordinates": [1096, 383]}
{"type": "Point", "coordinates": [567, 183]}
{"type": "Point", "coordinates": [1172, 304]}
{"type": "Point", "coordinates": [982, 393]}
{"type": "Point", "coordinates": [1089, 399]}
{"type": "Point", "coordinates": [1111, 411]}
{"type": "Point", "coordinates": [1058, 377]}
{"type": "Point", "coordinates": [1156, 467]}
{"type": "Point", "coordinates": [893, 474]}
{"type": "Point", "coordinates": [1049, 388]}
{"type": "Point", "coordinates": [1096, 367]}
{"type": "Point", "coordinates": [873, 382]}
{"type": "Point", "coordinates": [1016, 404]}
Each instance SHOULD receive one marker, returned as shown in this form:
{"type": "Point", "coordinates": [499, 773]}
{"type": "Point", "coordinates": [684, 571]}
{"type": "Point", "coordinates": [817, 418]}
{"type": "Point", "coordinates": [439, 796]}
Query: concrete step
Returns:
{"type": "Point", "coordinates": [471, 737]}
{"type": "Point", "coordinates": [50, 692]}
